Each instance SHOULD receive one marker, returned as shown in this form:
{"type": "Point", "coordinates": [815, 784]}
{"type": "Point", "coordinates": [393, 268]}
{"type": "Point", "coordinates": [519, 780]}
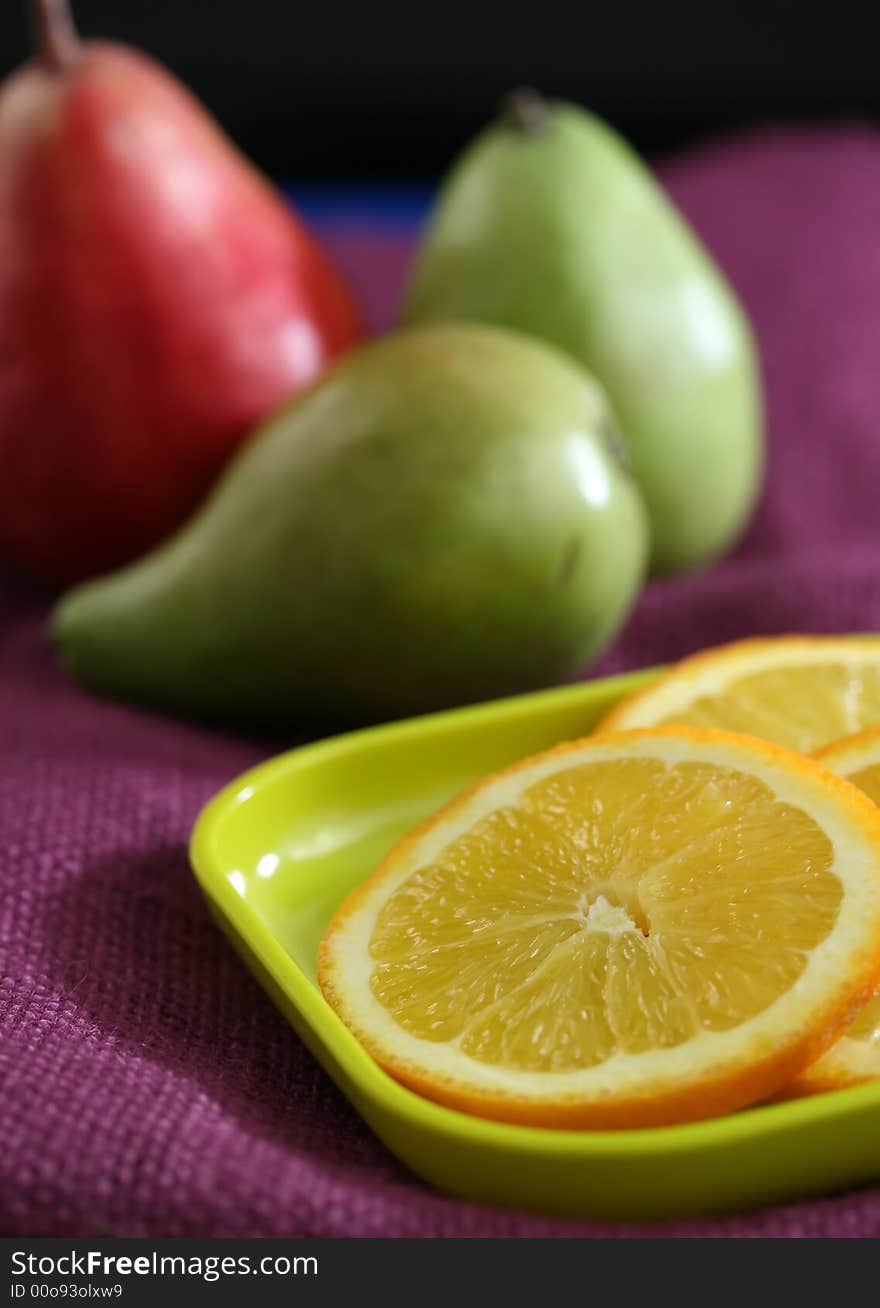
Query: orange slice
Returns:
{"type": "Point", "coordinates": [855, 1058]}
{"type": "Point", "coordinates": [634, 930]}
{"type": "Point", "coordinates": [798, 691]}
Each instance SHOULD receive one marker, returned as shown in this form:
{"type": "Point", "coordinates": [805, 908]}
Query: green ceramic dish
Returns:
{"type": "Point", "coordinates": [278, 849]}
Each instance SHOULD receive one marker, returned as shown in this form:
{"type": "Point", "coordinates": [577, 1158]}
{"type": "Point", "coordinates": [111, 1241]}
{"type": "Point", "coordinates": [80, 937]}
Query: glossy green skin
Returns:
{"type": "Point", "coordinates": [564, 234]}
{"type": "Point", "coordinates": [440, 520]}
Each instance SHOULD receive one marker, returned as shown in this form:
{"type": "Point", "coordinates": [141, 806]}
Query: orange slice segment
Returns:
{"type": "Point", "coordinates": [855, 1058]}
{"type": "Point", "coordinates": [633, 930]}
{"type": "Point", "coordinates": [801, 692]}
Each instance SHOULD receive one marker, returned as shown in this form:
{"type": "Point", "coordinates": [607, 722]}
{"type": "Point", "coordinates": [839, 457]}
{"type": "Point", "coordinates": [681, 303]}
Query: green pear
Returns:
{"type": "Point", "coordinates": [442, 518]}
{"type": "Point", "coordinates": [550, 224]}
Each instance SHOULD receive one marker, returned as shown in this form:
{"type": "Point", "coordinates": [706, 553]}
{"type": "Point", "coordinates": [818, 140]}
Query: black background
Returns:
{"type": "Point", "coordinates": [323, 88]}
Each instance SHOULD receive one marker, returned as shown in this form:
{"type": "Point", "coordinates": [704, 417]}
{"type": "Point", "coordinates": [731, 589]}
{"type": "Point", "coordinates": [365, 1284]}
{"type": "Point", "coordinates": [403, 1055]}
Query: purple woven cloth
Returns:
{"type": "Point", "coordinates": [147, 1085]}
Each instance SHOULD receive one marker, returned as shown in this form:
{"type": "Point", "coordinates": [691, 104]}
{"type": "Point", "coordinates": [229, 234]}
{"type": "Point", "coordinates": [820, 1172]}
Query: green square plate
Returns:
{"type": "Point", "coordinates": [278, 849]}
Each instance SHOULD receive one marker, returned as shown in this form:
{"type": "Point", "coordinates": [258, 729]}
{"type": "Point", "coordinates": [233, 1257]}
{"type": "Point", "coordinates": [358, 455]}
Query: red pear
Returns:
{"type": "Point", "coordinates": [157, 297]}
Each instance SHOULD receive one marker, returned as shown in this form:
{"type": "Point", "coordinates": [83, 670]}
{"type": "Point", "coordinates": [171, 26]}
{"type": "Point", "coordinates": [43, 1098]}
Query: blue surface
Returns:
{"type": "Point", "coordinates": [383, 204]}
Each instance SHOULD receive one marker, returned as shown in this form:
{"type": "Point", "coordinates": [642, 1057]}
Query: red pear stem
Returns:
{"type": "Point", "coordinates": [56, 34]}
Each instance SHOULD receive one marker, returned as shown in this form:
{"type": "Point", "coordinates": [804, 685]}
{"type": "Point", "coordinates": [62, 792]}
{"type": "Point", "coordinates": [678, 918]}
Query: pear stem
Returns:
{"type": "Point", "coordinates": [526, 111]}
{"type": "Point", "coordinates": [57, 37]}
